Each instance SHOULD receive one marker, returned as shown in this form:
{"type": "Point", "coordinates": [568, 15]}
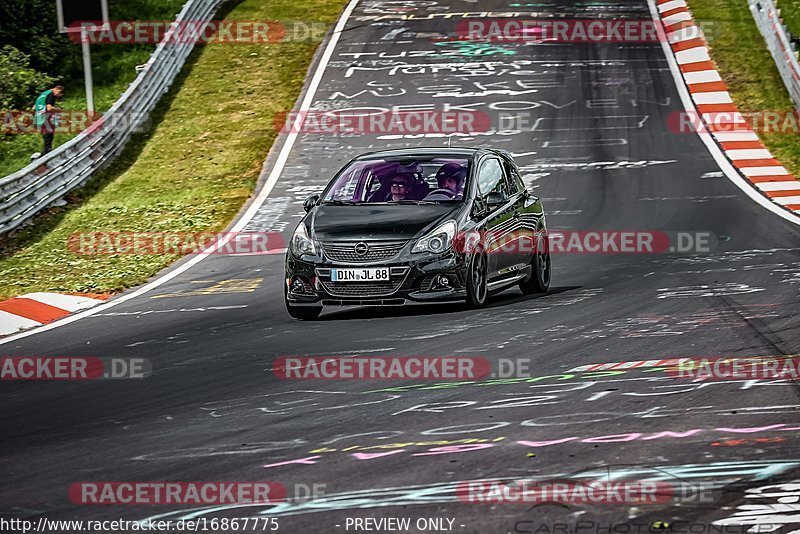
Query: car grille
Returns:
{"type": "Point", "coordinates": [345, 252]}
{"type": "Point", "coordinates": [363, 289]}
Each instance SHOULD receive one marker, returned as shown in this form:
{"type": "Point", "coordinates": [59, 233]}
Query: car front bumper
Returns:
{"type": "Point", "coordinates": [414, 280]}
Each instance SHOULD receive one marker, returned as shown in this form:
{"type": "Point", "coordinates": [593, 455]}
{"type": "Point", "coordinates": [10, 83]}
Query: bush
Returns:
{"type": "Point", "coordinates": [19, 83]}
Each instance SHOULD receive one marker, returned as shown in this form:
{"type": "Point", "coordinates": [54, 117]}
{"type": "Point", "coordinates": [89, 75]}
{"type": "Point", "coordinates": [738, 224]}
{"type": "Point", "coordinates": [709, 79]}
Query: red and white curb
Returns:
{"type": "Point", "coordinates": [36, 309]}
{"type": "Point", "coordinates": [713, 101]}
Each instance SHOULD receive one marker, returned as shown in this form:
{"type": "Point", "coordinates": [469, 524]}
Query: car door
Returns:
{"type": "Point", "coordinates": [526, 217]}
{"type": "Point", "coordinates": [499, 219]}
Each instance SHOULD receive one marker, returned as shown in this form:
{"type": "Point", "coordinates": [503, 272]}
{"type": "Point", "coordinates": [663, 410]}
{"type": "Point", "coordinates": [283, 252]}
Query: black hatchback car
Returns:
{"type": "Point", "coordinates": [415, 226]}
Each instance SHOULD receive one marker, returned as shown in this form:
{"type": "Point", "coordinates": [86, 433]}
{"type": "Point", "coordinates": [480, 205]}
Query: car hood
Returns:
{"type": "Point", "coordinates": [391, 222]}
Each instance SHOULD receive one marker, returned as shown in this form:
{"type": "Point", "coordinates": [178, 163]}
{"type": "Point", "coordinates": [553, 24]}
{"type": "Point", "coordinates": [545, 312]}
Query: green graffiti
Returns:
{"type": "Point", "coordinates": [472, 49]}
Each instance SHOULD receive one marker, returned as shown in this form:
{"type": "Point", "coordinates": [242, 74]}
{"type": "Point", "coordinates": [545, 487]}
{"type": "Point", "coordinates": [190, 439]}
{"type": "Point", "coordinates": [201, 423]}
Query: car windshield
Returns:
{"type": "Point", "coordinates": [400, 181]}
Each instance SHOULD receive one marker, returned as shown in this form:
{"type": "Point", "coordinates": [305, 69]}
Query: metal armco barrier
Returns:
{"type": "Point", "coordinates": [45, 181]}
{"type": "Point", "coordinates": [769, 23]}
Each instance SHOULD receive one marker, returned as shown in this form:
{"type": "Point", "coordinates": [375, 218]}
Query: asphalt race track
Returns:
{"type": "Point", "coordinates": [598, 151]}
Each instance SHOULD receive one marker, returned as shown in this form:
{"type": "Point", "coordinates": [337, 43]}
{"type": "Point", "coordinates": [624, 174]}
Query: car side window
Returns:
{"type": "Point", "coordinates": [515, 184]}
{"type": "Point", "coordinates": [490, 177]}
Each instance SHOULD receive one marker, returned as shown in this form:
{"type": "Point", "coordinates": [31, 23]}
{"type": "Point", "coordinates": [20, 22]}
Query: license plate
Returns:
{"type": "Point", "coordinates": [360, 275]}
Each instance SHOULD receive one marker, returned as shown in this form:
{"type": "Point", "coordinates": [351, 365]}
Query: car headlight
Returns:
{"type": "Point", "coordinates": [301, 243]}
{"type": "Point", "coordinates": [440, 240]}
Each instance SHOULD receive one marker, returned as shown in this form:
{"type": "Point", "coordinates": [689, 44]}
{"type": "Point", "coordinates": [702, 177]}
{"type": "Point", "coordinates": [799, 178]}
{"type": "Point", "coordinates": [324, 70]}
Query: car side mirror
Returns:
{"type": "Point", "coordinates": [310, 202]}
{"type": "Point", "coordinates": [495, 199]}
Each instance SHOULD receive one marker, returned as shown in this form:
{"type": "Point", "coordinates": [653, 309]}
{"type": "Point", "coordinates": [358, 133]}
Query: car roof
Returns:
{"type": "Point", "coordinates": [424, 152]}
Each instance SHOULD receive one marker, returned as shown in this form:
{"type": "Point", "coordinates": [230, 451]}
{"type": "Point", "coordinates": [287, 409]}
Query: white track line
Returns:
{"type": "Point", "coordinates": [791, 185]}
{"type": "Point", "coordinates": [749, 153]}
{"type": "Point", "coordinates": [715, 150]}
{"type": "Point", "coordinates": [10, 322]}
{"type": "Point", "coordinates": [252, 209]}
{"type": "Point", "coordinates": [671, 5]}
{"type": "Point", "coordinates": [702, 76]}
{"type": "Point", "coordinates": [723, 137]}
{"type": "Point", "coordinates": [692, 55]}
{"type": "Point", "coordinates": [70, 303]}
{"type": "Point", "coordinates": [772, 170]}
{"type": "Point", "coordinates": [713, 97]}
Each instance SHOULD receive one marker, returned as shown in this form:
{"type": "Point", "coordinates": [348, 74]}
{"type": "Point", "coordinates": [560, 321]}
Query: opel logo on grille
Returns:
{"type": "Point", "coordinates": [361, 248]}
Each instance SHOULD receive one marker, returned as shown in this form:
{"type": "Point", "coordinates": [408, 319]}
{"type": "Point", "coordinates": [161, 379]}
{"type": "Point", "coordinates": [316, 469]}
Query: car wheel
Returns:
{"type": "Point", "coordinates": [539, 281]}
{"type": "Point", "coordinates": [476, 280]}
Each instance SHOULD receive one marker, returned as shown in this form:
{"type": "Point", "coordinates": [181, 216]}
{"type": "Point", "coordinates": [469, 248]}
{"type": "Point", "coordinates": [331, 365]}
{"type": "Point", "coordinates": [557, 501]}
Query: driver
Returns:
{"type": "Point", "coordinates": [450, 178]}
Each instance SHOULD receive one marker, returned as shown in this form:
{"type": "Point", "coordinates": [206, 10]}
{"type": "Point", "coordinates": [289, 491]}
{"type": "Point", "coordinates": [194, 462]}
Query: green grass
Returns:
{"type": "Point", "coordinates": [192, 172]}
{"type": "Point", "coordinates": [747, 67]}
{"type": "Point", "coordinates": [790, 11]}
{"type": "Point", "coordinates": [113, 69]}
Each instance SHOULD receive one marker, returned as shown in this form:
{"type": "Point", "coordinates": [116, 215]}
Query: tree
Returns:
{"type": "Point", "coordinates": [19, 83]}
{"type": "Point", "coordinates": [31, 27]}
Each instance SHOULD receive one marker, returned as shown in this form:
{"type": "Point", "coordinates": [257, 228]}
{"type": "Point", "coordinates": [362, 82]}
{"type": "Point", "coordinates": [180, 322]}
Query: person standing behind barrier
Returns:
{"type": "Point", "coordinates": [46, 115]}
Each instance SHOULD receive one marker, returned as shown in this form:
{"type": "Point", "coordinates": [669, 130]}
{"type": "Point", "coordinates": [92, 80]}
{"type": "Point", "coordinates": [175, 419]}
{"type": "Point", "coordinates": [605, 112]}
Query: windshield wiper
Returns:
{"type": "Point", "coordinates": [339, 202]}
{"type": "Point", "coordinates": [407, 201]}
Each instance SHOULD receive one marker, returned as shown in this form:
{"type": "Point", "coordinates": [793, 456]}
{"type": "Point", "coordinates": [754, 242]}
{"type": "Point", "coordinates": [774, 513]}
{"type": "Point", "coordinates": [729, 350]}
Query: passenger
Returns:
{"type": "Point", "coordinates": [398, 189]}
{"type": "Point", "coordinates": [400, 186]}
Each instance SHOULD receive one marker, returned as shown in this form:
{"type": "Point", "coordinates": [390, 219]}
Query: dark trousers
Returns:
{"type": "Point", "coordinates": [48, 142]}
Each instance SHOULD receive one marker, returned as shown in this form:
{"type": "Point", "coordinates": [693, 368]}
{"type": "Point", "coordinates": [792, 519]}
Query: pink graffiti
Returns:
{"type": "Point", "coordinates": [611, 438]}
{"type": "Point", "coordinates": [305, 461]}
{"type": "Point", "coordinates": [371, 455]}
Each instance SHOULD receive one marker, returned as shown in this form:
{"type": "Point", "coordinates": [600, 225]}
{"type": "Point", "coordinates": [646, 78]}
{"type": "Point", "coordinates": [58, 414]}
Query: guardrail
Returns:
{"type": "Point", "coordinates": [768, 20]}
{"type": "Point", "coordinates": [45, 181]}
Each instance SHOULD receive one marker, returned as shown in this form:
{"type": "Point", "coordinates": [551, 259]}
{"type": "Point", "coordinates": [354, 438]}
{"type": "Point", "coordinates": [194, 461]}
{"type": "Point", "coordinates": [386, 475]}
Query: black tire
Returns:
{"type": "Point", "coordinates": [304, 313]}
{"type": "Point", "coordinates": [477, 288]}
{"type": "Point", "coordinates": [541, 268]}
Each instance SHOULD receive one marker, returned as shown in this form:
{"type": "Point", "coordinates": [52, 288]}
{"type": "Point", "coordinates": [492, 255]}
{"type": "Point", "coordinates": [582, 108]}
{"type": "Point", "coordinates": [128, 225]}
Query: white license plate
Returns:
{"type": "Point", "coordinates": [360, 275]}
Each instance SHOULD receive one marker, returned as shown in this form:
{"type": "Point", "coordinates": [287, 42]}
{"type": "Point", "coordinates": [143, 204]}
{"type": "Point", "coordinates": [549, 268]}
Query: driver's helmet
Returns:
{"type": "Point", "coordinates": [450, 171]}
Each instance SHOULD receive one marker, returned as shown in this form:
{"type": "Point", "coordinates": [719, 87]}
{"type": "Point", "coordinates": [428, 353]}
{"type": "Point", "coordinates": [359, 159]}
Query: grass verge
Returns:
{"type": "Point", "coordinates": [748, 69]}
{"type": "Point", "coordinates": [191, 172]}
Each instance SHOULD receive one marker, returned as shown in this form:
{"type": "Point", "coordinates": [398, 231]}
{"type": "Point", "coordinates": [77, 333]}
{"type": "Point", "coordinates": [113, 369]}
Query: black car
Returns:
{"type": "Point", "coordinates": [414, 226]}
